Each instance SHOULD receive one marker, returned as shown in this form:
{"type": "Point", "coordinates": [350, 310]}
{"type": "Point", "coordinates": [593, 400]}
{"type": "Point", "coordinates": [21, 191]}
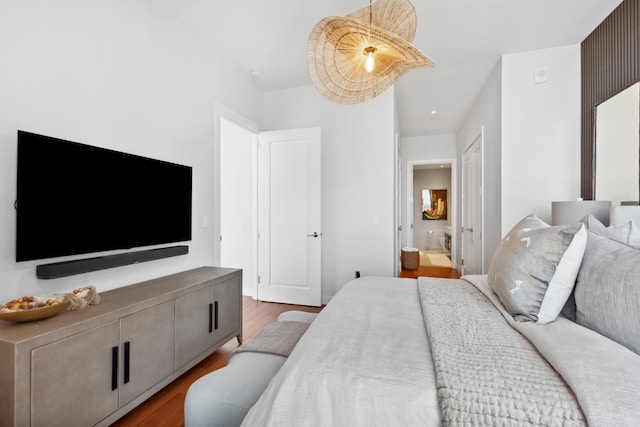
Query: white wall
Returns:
{"type": "Point", "coordinates": [485, 115]}
{"type": "Point", "coordinates": [357, 178]}
{"type": "Point", "coordinates": [531, 138]}
{"type": "Point", "coordinates": [540, 132]}
{"type": "Point", "coordinates": [430, 147]}
{"type": "Point", "coordinates": [121, 75]}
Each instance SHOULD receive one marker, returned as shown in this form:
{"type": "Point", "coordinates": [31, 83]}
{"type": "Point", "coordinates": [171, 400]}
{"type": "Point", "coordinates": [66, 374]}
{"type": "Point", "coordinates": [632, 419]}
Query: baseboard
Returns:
{"type": "Point", "coordinates": [86, 265]}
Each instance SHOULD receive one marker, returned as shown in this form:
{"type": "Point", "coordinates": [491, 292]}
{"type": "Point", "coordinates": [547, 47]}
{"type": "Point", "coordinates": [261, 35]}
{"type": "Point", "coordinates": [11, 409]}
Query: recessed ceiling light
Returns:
{"type": "Point", "coordinates": [256, 73]}
{"type": "Point", "coordinates": [434, 112]}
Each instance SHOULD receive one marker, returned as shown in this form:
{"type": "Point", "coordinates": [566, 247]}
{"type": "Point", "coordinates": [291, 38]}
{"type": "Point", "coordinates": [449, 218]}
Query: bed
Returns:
{"type": "Point", "coordinates": [559, 344]}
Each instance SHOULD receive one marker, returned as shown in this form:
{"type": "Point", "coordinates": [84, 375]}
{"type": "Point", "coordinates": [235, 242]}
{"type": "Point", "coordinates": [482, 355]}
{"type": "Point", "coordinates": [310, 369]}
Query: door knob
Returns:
{"type": "Point", "coordinates": [470, 229]}
{"type": "Point", "coordinates": [315, 234]}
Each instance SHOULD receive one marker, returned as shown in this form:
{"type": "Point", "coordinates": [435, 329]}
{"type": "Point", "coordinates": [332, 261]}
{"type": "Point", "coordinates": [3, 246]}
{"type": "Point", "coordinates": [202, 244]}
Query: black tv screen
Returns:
{"type": "Point", "coordinates": [75, 199]}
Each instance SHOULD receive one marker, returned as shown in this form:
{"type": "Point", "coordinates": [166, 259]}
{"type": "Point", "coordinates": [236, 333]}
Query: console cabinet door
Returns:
{"type": "Point", "coordinates": [227, 297]}
{"type": "Point", "coordinates": [194, 325]}
{"type": "Point", "coordinates": [147, 341]}
{"type": "Point", "coordinates": [71, 379]}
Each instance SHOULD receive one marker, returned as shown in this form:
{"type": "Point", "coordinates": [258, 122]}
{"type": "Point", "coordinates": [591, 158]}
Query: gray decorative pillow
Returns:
{"type": "Point", "coordinates": [534, 269]}
{"type": "Point", "coordinates": [608, 290]}
{"type": "Point", "coordinates": [628, 233]}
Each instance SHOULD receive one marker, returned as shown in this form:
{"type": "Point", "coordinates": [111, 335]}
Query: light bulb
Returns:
{"type": "Point", "coordinates": [370, 62]}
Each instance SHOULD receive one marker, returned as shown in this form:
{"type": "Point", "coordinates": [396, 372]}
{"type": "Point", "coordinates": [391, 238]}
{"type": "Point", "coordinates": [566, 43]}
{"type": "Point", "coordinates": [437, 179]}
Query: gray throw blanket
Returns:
{"type": "Point", "coordinates": [487, 373]}
{"type": "Point", "coordinates": [275, 338]}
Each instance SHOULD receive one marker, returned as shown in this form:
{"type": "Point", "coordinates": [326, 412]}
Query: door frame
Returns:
{"type": "Point", "coordinates": [222, 111]}
{"type": "Point", "coordinates": [478, 137]}
{"type": "Point", "coordinates": [397, 212]}
{"type": "Point", "coordinates": [411, 164]}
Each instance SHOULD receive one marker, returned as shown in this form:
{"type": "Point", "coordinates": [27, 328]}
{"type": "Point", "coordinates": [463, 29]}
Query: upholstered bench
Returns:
{"type": "Point", "coordinates": [222, 398]}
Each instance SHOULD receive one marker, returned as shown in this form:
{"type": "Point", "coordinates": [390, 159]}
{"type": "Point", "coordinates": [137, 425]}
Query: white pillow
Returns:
{"type": "Point", "coordinates": [534, 269]}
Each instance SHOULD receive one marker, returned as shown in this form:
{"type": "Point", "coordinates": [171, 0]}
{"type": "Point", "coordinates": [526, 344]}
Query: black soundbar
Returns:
{"type": "Point", "coordinates": [79, 266]}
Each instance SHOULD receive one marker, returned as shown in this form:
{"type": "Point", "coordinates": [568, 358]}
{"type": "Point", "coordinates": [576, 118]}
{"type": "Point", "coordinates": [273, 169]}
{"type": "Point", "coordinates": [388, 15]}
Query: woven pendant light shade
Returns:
{"type": "Point", "coordinates": [338, 46]}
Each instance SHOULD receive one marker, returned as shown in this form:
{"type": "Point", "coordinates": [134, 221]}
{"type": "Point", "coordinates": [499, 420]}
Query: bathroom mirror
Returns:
{"type": "Point", "coordinates": [434, 204]}
{"type": "Point", "coordinates": [617, 147]}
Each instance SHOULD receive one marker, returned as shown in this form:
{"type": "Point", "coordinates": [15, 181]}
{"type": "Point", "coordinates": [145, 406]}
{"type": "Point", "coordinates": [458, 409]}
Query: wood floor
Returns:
{"type": "Point", "coordinates": [431, 271]}
{"type": "Point", "coordinates": [166, 408]}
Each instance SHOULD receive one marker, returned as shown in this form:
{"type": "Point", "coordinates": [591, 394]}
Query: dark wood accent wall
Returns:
{"type": "Point", "coordinates": [610, 62]}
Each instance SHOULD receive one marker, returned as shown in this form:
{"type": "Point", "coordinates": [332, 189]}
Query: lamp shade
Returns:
{"type": "Point", "coordinates": [571, 212]}
{"type": "Point", "coordinates": [356, 57]}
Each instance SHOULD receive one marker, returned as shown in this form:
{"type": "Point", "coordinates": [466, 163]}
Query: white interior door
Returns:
{"type": "Point", "coordinates": [472, 224]}
{"type": "Point", "coordinates": [409, 232]}
{"type": "Point", "coordinates": [289, 213]}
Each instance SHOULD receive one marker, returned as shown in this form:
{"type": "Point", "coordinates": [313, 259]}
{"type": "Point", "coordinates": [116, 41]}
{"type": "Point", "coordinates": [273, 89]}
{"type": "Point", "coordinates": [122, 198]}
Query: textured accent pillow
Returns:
{"type": "Point", "coordinates": [628, 233]}
{"type": "Point", "coordinates": [535, 266]}
{"type": "Point", "coordinates": [608, 290]}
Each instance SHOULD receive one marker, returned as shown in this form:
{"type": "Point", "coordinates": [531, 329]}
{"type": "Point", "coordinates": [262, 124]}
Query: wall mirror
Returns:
{"type": "Point", "coordinates": [617, 147]}
{"type": "Point", "coordinates": [434, 204]}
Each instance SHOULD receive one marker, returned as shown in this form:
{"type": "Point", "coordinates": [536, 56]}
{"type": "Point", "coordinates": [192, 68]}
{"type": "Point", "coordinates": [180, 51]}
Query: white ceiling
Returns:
{"type": "Point", "coordinates": [464, 37]}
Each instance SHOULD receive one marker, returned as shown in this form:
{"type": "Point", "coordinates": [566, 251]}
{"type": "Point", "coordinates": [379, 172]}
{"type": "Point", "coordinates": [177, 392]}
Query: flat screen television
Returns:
{"type": "Point", "coordinates": [76, 199]}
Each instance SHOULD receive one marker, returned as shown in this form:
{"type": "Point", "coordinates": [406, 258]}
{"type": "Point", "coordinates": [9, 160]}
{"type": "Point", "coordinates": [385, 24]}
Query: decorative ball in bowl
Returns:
{"type": "Point", "coordinates": [30, 308]}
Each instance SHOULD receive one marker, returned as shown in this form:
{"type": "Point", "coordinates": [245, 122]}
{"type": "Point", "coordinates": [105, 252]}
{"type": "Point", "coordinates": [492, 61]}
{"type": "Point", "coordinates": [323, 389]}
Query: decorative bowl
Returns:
{"type": "Point", "coordinates": [36, 313]}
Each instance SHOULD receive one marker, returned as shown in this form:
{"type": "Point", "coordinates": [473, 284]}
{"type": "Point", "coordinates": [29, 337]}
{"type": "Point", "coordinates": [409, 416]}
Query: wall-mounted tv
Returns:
{"type": "Point", "coordinates": [76, 199]}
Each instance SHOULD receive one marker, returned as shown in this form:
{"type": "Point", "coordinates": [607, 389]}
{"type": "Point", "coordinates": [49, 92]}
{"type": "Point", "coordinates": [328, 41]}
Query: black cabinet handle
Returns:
{"type": "Point", "coordinates": [127, 351]}
{"type": "Point", "coordinates": [210, 318]}
{"type": "Point", "coordinates": [216, 311]}
{"type": "Point", "coordinates": [114, 368]}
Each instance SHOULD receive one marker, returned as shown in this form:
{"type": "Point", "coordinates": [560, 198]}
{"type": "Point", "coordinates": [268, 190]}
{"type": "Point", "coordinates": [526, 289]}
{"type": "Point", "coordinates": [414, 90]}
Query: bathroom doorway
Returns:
{"type": "Point", "coordinates": [432, 212]}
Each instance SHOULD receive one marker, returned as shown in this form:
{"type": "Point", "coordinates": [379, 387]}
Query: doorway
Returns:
{"type": "Point", "coordinates": [238, 219]}
{"type": "Point", "coordinates": [250, 232]}
{"type": "Point", "coordinates": [435, 233]}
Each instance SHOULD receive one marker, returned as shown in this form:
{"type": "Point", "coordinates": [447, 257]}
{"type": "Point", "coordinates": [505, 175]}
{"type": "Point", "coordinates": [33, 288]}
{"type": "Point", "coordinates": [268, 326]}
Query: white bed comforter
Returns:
{"type": "Point", "coordinates": [366, 361]}
{"type": "Point", "coordinates": [344, 376]}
